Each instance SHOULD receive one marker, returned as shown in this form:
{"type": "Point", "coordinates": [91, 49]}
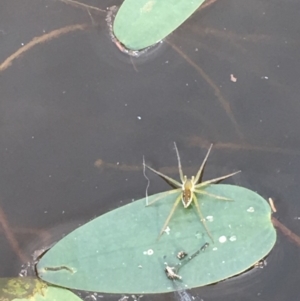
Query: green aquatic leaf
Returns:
{"type": "Point", "coordinates": [32, 289]}
{"type": "Point", "coordinates": [119, 252]}
{"type": "Point", "coordinates": [142, 23]}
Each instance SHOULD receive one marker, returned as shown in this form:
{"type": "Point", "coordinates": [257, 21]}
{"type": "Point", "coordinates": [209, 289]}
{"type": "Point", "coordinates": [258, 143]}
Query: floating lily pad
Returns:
{"type": "Point", "coordinates": [32, 289]}
{"type": "Point", "coordinates": [118, 252]}
{"type": "Point", "coordinates": [142, 23]}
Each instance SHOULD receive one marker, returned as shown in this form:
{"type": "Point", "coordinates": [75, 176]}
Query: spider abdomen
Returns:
{"type": "Point", "coordinates": [187, 193]}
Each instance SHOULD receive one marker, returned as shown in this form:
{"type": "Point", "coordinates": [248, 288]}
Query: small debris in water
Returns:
{"type": "Point", "coordinates": [233, 78]}
{"type": "Point", "coordinates": [261, 264]}
{"type": "Point", "coordinates": [271, 202]}
{"type": "Point", "coordinates": [124, 298]}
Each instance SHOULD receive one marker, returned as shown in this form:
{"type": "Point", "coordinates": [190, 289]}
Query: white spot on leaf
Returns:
{"type": "Point", "coordinates": [232, 238]}
{"type": "Point", "coordinates": [167, 230]}
{"type": "Point", "coordinates": [210, 218]}
{"type": "Point", "coordinates": [198, 235]}
{"type": "Point", "coordinates": [222, 239]}
{"type": "Point", "coordinates": [250, 209]}
{"type": "Point", "coordinates": [148, 252]}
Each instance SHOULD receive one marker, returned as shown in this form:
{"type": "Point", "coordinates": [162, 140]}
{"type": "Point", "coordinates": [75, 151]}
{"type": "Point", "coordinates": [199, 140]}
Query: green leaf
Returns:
{"type": "Point", "coordinates": [142, 23]}
{"type": "Point", "coordinates": [113, 253]}
{"type": "Point", "coordinates": [29, 288]}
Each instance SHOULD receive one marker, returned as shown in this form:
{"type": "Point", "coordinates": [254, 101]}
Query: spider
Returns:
{"type": "Point", "coordinates": [189, 188]}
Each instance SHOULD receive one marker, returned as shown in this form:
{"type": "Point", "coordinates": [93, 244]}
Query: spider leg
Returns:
{"type": "Point", "coordinates": [170, 215]}
{"type": "Point", "coordinates": [216, 179]}
{"type": "Point", "coordinates": [169, 180]}
{"type": "Point", "coordinates": [201, 217]}
{"type": "Point", "coordinates": [213, 195]}
{"type": "Point", "coordinates": [200, 171]}
{"type": "Point", "coordinates": [179, 163]}
{"type": "Point", "coordinates": [163, 195]}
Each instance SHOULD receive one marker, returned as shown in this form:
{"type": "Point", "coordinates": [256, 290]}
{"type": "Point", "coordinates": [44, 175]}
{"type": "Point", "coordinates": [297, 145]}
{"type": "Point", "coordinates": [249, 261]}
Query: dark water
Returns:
{"type": "Point", "coordinates": [77, 116]}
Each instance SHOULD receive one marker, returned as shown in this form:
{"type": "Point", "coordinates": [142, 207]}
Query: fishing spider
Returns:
{"type": "Point", "coordinates": [189, 188]}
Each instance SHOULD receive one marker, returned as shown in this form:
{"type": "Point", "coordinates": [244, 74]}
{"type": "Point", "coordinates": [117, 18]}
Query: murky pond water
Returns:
{"type": "Point", "coordinates": [77, 116]}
